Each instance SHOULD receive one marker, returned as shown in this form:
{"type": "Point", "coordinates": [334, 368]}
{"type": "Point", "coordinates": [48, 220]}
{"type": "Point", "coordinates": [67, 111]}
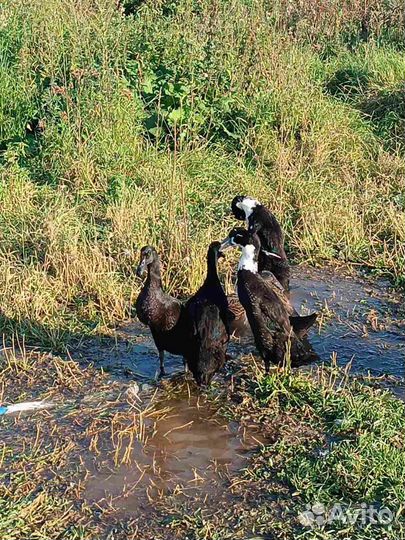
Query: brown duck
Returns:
{"type": "Point", "coordinates": [164, 314]}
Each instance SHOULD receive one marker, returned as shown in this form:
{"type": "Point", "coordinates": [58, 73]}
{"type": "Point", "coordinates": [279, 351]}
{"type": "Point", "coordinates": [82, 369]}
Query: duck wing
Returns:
{"type": "Point", "coordinates": [208, 339]}
{"type": "Point", "coordinates": [208, 326]}
{"type": "Point", "coordinates": [272, 255]}
{"type": "Point", "coordinates": [273, 283]}
{"type": "Point", "coordinates": [300, 324]}
{"type": "Point", "coordinates": [265, 224]}
{"type": "Point", "coordinates": [215, 295]}
{"type": "Point", "coordinates": [158, 310]}
{"type": "Point", "coordinates": [171, 310]}
{"type": "Point", "coordinates": [266, 312]}
{"type": "Point", "coordinates": [276, 309]}
{"type": "Point", "coordinates": [271, 278]}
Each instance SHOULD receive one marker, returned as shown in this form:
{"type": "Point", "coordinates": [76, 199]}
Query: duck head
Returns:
{"type": "Point", "coordinates": [214, 252]}
{"type": "Point", "coordinates": [204, 373]}
{"type": "Point", "coordinates": [148, 256]}
{"type": "Point", "coordinates": [248, 242]}
{"type": "Point", "coordinates": [243, 206]}
{"type": "Point", "coordinates": [240, 237]}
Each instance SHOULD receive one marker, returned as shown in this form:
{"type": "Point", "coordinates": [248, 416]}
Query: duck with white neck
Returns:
{"type": "Point", "coordinates": [260, 220]}
{"type": "Point", "coordinates": [275, 326]}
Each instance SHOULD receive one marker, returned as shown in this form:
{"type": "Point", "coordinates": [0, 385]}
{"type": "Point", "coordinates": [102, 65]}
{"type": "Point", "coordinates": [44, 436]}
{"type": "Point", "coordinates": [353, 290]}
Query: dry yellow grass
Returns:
{"type": "Point", "coordinates": [242, 106]}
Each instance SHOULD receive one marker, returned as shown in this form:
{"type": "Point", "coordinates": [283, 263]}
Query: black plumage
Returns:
{"type": "Point", "coordinates": [239, 324]}
{"type": "Point", "coordinates": [164, 314]}
{"type": "Point", "coordinates": [208, 315]}
{"type": "Point", "coordinates": [272, 256]}
{"type": "Point", "coordinates": [276, 329]}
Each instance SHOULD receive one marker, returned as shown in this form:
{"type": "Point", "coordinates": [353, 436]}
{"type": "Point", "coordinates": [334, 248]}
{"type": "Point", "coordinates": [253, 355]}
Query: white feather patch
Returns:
{"type": "Point", "coordinates": [247, 259]}
{"type": "Point", "coordinates": [269, 254]}
{"type": "Point", "coordinates": [247, 205]}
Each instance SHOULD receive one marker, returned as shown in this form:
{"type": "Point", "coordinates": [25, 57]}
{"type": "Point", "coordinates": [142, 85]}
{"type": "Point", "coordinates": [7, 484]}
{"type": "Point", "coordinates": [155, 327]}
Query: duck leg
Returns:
{"type": "Point", "coordinates": [185, 365]}
{"type": "Point", "coordinates": [162, 363]}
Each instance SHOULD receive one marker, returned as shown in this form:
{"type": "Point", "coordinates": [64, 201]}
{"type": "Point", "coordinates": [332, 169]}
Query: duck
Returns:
{"type": "Point", "coordinates": [275, 328]}
{"type": "Point", "coordinates": [260, 220]}
{"type": "Point", "coordinates": [240, 325]}
{"type": "Point", "coordinates": [162, 313]}
{"type": "Point", "coordinates": [209, 318]}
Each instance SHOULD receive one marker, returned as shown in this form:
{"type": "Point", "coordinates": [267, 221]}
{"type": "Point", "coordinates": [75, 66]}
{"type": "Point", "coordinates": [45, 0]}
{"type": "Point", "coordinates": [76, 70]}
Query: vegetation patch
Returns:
{"type": "Point", "coordinates": [136, 123]}
{"type": "Point", "coordinates": [122, 126]}
{"type": "Point", "coordinates": [323, 440]}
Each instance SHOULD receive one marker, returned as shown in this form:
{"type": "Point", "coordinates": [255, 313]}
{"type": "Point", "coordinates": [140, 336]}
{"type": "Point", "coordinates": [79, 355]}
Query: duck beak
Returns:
{"type": "Point", "coordinates": [225, 244]}
{"type": "Point", "coordinates": [141, 269]}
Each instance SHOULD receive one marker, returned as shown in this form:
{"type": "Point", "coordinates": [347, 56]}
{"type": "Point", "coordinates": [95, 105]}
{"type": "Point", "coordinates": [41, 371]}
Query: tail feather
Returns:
{"type": "Point", "coordinates": [301, 325]}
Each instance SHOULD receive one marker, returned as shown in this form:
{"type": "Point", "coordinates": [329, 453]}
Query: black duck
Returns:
{"type": "Point", "coordinates": [272, 256]}
{"type": "Point", "coordinates": [208, 316]}
{"type": "Point", "coordinates": [275, 328]}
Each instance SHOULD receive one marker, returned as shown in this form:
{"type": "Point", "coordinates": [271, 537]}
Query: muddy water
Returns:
{"type": "Point", "coordinates": [187, 452]}
{"type": "Point", "coordinates": [361, 321]}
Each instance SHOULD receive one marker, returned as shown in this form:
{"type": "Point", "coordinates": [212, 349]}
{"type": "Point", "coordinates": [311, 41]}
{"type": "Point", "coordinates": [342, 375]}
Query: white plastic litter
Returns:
{"type": "Point", "coordinates": [26, 406]}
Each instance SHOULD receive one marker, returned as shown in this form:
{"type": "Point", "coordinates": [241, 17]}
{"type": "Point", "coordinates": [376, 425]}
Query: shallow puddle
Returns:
{"type": "Point", "coordinates": [187, 451]}
{"type": "Point", "coordinates": [361, 322]}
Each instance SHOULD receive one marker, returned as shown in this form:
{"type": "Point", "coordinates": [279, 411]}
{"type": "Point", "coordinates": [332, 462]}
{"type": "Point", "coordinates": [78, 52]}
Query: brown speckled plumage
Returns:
{"type": "Point", "coordinates": [163, 314]}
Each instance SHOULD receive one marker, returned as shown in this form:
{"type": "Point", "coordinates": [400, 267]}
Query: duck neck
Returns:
{"type": "Point", "coordinates": [212, 271]}
{"type": "Point", "coordinates": [154, 275]}
{"type": "Point", "coordinates": [248, 259]}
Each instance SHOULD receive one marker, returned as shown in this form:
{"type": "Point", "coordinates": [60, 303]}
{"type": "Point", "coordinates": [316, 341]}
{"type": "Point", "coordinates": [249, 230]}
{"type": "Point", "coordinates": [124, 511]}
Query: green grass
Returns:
{"type": "Point", "coordinates": [327, 438]}
{"type": "Point", "coordinates": [136, 124]}
{"type": "Point", "coordinates": [366, 458]}
{"type": "Point", "coordinates": [120, 130]}
{"type": "Point", "coordinates": [332, 440]}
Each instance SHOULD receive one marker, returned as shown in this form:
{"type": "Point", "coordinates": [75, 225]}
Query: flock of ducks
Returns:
{"type": "Point", "coordinates": [199, 329]}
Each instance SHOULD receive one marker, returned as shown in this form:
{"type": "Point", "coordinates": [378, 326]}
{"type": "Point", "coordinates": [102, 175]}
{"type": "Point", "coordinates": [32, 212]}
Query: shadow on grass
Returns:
{"type": "Point", "coordinates": [347, 83]}
{"type": "Point", "coordinates": [384, 110]}
{"type": "Point", "coordinates": [36, 334]}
